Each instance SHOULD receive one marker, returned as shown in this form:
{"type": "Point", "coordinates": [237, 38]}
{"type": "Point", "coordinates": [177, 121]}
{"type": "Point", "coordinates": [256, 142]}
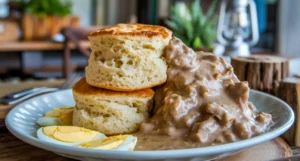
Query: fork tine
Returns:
{"type": "Point", "coordinates": [70, 81]}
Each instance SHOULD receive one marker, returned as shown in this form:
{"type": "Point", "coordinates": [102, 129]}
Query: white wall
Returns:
{"type": "Point", "coordinates": [289, 28]}
{"type": "Point", "coordinates": [164, 6]}
{"type": "Point", "coordinates": [82, 8]}
{"type": "Point", "coordinates": [119, 11]}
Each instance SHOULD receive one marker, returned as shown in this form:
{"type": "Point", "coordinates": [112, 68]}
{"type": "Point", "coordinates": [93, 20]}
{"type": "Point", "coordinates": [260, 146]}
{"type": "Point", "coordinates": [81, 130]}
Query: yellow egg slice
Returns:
{"type": "Point", "coordinates": [128, 144]}
{"type": "Point", "coordinates": [57, 116]}
{"type": "Point", "coordinates": [68, 135]}
{"type": "Point", "coordinates": [119, 142]}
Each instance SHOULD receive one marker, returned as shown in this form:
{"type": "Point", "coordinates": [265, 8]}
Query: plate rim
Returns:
{"type": "Point", "coordinates": [160, 154]}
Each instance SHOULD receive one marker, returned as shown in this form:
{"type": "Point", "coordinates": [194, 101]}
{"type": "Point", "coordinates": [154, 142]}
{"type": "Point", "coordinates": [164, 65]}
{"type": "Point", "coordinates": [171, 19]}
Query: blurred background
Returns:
{"type": "Point", "coordinates": [47, 39]}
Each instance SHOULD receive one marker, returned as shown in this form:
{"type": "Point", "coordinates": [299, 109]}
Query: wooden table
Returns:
{"type": "Point", "coordinates": [12, 87]}
{"type": "Point", "coordinates": [35, 46]}
{"type": "Point", "coordinates": [20, 46]}
{"type": "Point", "coordinates": [13, 149]}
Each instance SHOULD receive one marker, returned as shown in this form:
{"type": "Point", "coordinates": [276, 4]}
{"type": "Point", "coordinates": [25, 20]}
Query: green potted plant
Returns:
{"type": "Point", "coordinates": [196, 29]}
{"type": "Point", "coordinates": [44, 18]}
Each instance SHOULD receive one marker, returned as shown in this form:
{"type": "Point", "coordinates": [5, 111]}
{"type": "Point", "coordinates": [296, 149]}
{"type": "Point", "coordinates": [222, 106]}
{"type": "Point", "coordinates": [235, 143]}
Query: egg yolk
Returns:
{"type": "Point", "coordinates": [64, 114]}
{"type": "Point", "coordinates": [105, 143]}
{"type": "Point", "coordinates": [70, 134]}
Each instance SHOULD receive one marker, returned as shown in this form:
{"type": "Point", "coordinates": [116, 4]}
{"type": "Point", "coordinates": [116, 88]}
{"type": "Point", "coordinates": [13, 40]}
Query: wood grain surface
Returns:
{"type": "Point", "coordinates": [13, 149]}
{"type": "Point", "coordinates": [262, 72]}
{"type": "Point", "coordinates": [36, 45]}
{"type": "Point", "coordinates": [270, 150]}
{"type": "Point", "coordinates": [290, 93]}
{"type": "Point", "coordinates": [7, 88]}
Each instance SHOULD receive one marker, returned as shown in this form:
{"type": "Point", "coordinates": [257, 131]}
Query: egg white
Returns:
{"type": "Point", "coordinates": [48, 121]}
{"type": "Point", "coordinates": [52, 117]}
{"type": "Point", "coordinates": [42, 136]}
{"type": "Point", "coordinates": [128, 144]}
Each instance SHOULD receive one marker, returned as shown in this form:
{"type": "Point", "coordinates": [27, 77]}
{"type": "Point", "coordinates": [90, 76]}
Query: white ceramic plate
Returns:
{"type": "Point", "coordinates": [21, 122]}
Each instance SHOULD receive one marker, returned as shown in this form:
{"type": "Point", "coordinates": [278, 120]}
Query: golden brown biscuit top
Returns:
{"type": "Point", "coordinates": [134, 30]}
{"type": "Point", "coordinates": [85, 89]}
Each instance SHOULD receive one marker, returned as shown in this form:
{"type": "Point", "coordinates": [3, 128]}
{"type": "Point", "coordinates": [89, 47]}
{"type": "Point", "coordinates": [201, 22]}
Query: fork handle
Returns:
{"type": "Point", "coordinates": [17, 100]}
{"type": "Point", "coordinates": [23, 92]}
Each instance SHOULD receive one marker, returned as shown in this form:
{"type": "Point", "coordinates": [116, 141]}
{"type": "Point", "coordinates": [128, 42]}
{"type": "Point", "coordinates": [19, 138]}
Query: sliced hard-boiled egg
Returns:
{"type": "Point", "coordinates": [68, 135]}
{"type": "Point", "coordinates": [57, 116]}
{"type": "Point", "coordinates": [48, 121]}
{"type": "Point", "coordinates": [119, 142]}
{"type": "Point", "coordinates": [128, 145]}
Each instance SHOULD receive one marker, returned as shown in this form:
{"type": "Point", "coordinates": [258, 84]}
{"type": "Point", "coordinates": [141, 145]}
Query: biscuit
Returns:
{"type": "Point", "coordinates": [127, 57]}
{"type": "Point", "coordinates": [110, 112]}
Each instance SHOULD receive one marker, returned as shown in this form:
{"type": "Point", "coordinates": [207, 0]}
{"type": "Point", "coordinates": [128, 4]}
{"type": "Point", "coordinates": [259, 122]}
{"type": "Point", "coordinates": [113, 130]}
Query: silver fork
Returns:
{"type": "Point", "coordinates": [17, 97]}
{"type": "Point", "coordinates": [70, 81]}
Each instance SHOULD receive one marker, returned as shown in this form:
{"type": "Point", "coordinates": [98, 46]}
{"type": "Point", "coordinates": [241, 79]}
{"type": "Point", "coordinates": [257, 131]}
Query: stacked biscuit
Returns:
{"type": "Point", "coordinates": [125, 63]}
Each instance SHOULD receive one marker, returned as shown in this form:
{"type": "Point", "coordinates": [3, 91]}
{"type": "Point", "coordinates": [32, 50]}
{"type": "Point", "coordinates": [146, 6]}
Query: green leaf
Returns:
{"type": "Point", "coordinates": [42, 14]}
{"type": "Point", "coordinates": [209, 37]}
{"type": "Point", "coordinates": [211, 29]}
{"type": "Point", "coordinates": [172, 25]}
{"type": "Point", "coordinates": [182, 11]}
{"type": "Point", "coordinates": [195, 11]}
{"type": "Point", "coordinates": [197, 43]}
{"type": "Point", "coordinates": [189, 29]}
{"type": "Point", "coordinates": [194, 28]}
{"type": "Point", "coordinates": [48, 7]}
{"type": "Point", "coordinates": [198, 28]}
{"type": "Point", "coordinates": [212, 9]}
{"type": "Point", "coordinates": [44, 5]}
{"type": "Point", "coordinates": [179, 22]}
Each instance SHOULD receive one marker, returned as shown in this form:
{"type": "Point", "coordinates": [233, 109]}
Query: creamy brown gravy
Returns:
{"type": "Point", "coordinates": [202, 103]}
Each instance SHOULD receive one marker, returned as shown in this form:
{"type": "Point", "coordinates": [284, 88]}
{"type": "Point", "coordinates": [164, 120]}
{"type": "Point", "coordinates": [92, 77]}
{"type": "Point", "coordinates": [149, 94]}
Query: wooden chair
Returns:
{"type": "Point", "coordinates": [79, 37]}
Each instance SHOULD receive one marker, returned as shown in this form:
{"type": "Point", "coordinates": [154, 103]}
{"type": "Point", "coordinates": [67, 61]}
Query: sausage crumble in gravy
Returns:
{"type": "Point", "coordinates": [202, 103]}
